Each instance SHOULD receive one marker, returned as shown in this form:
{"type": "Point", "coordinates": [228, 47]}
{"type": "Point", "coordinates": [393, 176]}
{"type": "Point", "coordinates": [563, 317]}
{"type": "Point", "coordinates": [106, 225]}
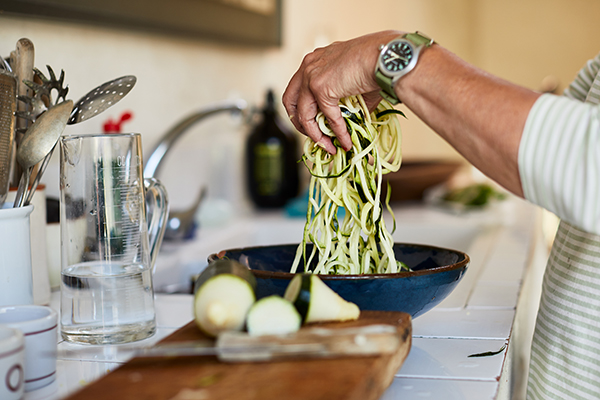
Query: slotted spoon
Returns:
{"type": "Point", "coordinates": [101, 98]}
{"type": "Point", "coordinates": [93, 103]}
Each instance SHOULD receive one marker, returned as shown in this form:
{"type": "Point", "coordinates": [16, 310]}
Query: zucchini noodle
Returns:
{"type": "Point", "coordinates": [360, 243]}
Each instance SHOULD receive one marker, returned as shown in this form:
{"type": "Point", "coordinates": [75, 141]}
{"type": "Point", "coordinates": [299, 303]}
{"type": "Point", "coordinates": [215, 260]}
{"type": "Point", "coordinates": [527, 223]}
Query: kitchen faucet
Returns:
{"type": "Point", "coordinates": [180, 224]}
{"type": "Point", "coordinates": [156, 157]}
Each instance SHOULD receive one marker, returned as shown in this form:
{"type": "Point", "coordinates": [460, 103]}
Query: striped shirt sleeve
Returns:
{"type": "Point", "coordinates": [559, 157]}
{"type": "Point", "coordinates": [583, 85]}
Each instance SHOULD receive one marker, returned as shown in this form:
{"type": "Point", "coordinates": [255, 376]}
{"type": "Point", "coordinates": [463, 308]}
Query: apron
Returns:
{"type": "Point", "coordinates": [565, 353]}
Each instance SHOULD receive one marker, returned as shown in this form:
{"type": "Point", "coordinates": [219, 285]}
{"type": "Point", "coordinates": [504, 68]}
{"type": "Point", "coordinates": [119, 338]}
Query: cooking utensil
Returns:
{"type": "Point", "coordinates": [38, 176]}
{"type": "Point", "coordinates": [93, 103]}
{"type": "Point", "coordinates": [38, 141]}
{"type": "Point", "coordinates": [8, 106]}
{"type": "Point", "coordinates": [435, 273]}
{"type": "Point", "coordinates": [46, 92]}
{"type": "Point", "coordinates": [5, 64]}
{"type": "Point", "coordinates": [314, 342]}
{"type": "Point", "coordinates": [101, 98]}
{"type": "Point", "coordinates": [23, 70]}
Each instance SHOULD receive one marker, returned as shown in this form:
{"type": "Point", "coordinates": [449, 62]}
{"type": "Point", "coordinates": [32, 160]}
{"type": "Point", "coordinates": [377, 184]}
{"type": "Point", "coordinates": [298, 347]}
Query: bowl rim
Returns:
{"type": "Point", "coordinates": [408, 274]}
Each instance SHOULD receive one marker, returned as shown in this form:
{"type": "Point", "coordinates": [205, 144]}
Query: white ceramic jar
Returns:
{"type": "Point", "coordinates": [16, 281]}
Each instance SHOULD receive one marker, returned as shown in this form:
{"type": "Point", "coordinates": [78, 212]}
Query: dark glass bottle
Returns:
{"type": "Point", "coordinates": [271, 160]}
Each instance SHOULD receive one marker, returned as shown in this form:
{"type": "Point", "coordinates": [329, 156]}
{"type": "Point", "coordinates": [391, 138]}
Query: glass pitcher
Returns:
{"type": "Point", "coordinates": [108, 247]}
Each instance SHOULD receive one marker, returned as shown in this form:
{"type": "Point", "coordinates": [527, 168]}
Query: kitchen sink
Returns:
{"type": "Point", "coordinates": [178, 262]}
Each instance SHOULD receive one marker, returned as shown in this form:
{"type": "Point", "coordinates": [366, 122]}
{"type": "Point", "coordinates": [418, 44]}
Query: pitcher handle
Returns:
{"type": "Point", "coordinates": [157, 199]}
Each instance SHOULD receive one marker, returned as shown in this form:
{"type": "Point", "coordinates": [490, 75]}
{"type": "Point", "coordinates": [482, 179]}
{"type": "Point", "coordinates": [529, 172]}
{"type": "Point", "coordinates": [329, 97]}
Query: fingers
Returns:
{"type": "Point", "coordinates": [307, 110]}
{"type": "Point", "coordinates": [302, 107]}
{"type": "Point", "coordinates": [290, 100]}
{"type": "Point", "coordinates": [336, 123]}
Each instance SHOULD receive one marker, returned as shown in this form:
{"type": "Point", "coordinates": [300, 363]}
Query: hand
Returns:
{"type": "Point", "coordinates": [328, 74]}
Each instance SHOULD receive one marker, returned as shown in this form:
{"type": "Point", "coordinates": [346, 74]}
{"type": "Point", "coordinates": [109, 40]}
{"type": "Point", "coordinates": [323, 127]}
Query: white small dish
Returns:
{"type": "Point", "coordinates": [39, 325]}
{"type": "Point", "coordinates": [12, 360]}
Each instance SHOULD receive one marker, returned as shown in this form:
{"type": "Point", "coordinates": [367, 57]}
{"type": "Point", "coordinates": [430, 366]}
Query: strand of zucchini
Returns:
{"type": "Point", "coordinates": [360, 244]}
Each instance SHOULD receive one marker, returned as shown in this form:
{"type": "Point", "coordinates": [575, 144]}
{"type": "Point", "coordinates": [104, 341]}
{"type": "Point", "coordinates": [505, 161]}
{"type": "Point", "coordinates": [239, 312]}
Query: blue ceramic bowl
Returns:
{"type": "Point", "coordinates": [436, 272]}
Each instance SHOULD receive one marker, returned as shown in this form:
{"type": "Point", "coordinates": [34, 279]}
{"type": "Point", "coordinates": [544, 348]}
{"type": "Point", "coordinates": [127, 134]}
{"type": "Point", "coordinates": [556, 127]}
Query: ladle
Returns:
{"type": "Point", "coordinates": [38, 142]}
{"type": "Point", "coordinates": [93, 103]}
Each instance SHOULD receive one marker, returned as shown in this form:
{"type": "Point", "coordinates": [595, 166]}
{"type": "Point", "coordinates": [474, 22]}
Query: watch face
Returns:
{"type": "Point", "coordinates": [397, 56]}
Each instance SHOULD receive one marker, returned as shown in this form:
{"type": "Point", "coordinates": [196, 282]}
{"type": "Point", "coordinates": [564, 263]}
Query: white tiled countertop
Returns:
{"type": "Point", "coordinates": [482, 314]}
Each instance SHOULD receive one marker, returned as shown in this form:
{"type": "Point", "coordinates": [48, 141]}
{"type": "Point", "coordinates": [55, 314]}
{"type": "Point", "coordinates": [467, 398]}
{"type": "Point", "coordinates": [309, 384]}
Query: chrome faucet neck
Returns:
{"type": "Point", "coordinates": [153, 163]}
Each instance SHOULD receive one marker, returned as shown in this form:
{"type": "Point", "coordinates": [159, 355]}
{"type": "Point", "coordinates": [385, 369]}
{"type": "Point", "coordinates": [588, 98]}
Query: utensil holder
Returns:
{"type": "Point", "coordinates": [16, 282]}
{"type": "Point", "coordinates": [39, 263]}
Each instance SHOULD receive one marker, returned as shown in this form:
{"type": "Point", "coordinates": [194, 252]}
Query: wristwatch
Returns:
{"type": "Point", "coordinates": [396, 59]}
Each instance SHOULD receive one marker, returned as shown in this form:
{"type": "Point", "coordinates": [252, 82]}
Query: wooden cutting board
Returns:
{"type": "Point", "coordinates": [206, 378]}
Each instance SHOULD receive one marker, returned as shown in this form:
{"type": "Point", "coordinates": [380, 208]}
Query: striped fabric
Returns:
{"type": "Point", "coordinates": [559, 163]}
{"type": "Point", "coordinates": [565, 355]}
{"type": "Point", "coordinates": [559, 160]}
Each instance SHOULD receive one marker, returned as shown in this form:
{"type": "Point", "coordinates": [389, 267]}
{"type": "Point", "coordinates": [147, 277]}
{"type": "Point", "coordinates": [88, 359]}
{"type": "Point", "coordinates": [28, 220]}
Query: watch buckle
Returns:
{"type": "Point", "coordinates": [427, 37]}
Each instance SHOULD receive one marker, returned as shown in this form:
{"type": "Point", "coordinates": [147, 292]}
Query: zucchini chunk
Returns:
{"type": "Point", "coordinates": [315, 301]}
{"type": "Point", "coordinates": [273, 315]}
{"type": "Point", "coordinates": [224, 292]}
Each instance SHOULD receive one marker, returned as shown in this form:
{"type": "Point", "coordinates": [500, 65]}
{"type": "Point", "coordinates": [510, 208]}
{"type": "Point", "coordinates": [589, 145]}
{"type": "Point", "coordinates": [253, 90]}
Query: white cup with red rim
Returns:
{"type": "Point", "coordinates": [39, 325]}
{"type": "Point", "coordinates": [12, 360]}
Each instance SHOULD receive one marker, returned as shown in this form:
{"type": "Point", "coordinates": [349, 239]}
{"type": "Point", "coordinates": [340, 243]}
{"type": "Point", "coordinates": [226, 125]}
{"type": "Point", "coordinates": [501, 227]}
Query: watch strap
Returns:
{"type": "Point", "coordinates": [419, 39]}
{"type": "Point", "coordinates": [386, 82]}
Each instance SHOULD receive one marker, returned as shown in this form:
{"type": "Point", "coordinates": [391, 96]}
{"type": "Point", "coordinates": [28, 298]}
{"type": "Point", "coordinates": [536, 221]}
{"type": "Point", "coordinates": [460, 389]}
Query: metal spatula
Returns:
{"type": "Point", "coordinates": [8, 106]}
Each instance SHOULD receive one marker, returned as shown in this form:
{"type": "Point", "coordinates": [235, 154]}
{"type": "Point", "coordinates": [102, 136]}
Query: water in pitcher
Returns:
{"type": "Point", "coordinates": [106, 303]}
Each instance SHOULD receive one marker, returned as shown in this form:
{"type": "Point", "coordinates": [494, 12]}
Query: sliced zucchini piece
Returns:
{"type": "Point", "coordinates": [315, 301]}
{"type": "Point", "coordinates": [225, 266]}
{"type": "Point", "coordinates": [273, 315]}
{"type": "Point", "coordinates": [224, 293]}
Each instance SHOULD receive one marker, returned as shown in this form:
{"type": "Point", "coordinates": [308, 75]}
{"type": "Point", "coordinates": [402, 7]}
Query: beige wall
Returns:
{"type": "Point", "coordinates": [525, 41]}
{"type": "Point", "coordinates": [521, 40]}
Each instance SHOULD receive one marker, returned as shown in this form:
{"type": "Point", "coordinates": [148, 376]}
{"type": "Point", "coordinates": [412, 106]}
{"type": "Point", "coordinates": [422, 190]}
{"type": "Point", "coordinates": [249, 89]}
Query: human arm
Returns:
{"type": "Point", "coordinates": [559, 156]}
{"type": "Point", "coordinates": [478, 114]}
{"type": "Point", "coordinates": [544, 148]}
